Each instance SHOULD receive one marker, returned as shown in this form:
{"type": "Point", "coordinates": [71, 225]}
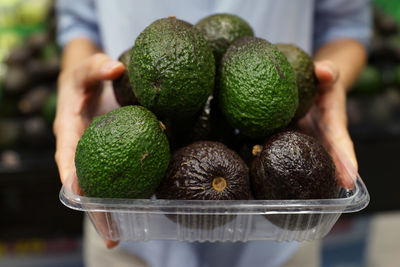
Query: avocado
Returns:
{"type": "Point", "coordinates": [49, 107]}
{"type": "Point", "coordinates": [172, 68]}
{"type": "Point", "coordinates": [122, 154]}
{"type": "Point", "coordinates": [10, 133]}
{"type": "Point", "coordinates": [35, 133]}
{"type": "Point", "coordinates": [221, 30]}
{"type": "Point", "coordinates": [397, 76]}
{"type": "Point", "coordinates": [258, 92]}
{"type": "Point", "coordinates": [122, 88]}
{"type": "Point", "coordinates": [205, 170]}
{"type": "Point", "coordinates": [303, 66]}
{"type": "Point", "coordinates": [33, 100]}
{"type": "Point", "coordinates": [292, 165]}
{"type": "Point", "coordinates": [184, 131]}
{"type": "Point", "coordinates": [370, 81]}
{"type": "Point", "coordinates": [207, 124]}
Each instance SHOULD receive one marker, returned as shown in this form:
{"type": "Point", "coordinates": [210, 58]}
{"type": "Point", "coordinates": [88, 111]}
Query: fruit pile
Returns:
{"type": "Point", "coordinates": [28, 77]}
{"type": "Point", "coordinates": [206, 93]}
{"type": "Point", "coordinates": [374, 101]}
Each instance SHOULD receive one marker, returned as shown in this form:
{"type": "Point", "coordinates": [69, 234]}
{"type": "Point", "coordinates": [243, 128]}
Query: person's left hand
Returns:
{"type": "Point", "coordinates": [329, 110]}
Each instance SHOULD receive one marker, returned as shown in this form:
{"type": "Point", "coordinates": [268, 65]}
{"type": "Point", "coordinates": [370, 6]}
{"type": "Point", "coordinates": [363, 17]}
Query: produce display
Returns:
{"type": "Point", "coordinates": [28, 76]}
{"type": "Point", "coordinates": [126, 153]}
{"type": "Point", "coordinates": [373, 105]}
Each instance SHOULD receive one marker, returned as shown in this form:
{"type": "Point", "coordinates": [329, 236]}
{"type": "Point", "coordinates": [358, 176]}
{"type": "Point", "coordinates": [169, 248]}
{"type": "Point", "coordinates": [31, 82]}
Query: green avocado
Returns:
{"type": "Point", "coordinates": [172, 68]}
{"type": "Point", "coordinates": [221, 30]}
{"type": "Point", "coordinates": [370, 81]}
{"type": "Point", "coordinates": [122, 154]}
{"type": "Point", "coordinates": [49, 107]}
{"type": "Point", "coordinates": [303, 66]}
{"type": "Point", "coordinates": [258, 92]}
{"type": "Point", "coordinates": [122, 88]}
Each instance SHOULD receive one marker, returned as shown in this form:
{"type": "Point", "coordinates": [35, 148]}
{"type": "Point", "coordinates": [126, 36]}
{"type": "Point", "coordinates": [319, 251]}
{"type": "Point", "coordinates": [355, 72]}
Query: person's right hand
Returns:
{"type": "Point", "coordinates": [80, 97]}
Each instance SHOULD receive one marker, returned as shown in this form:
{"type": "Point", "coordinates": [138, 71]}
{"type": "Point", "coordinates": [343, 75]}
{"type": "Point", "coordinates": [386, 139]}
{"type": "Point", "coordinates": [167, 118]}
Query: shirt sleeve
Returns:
{"type": "Point", "coordinates": [76, 18]}
{"type": "Point", "coordinates": [335, 19]}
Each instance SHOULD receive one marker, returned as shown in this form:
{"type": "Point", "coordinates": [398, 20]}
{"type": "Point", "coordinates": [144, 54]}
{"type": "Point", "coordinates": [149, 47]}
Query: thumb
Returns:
{"type": "Point", "coordinates": [327, 73]}
{"type": "Point", "coordinates": [97, 68]}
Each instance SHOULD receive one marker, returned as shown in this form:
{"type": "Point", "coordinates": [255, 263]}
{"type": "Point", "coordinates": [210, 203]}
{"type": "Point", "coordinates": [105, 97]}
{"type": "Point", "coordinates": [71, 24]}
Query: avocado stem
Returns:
{"type": "Point", "coordinates": [219, 183]}
{"type": "Point", "coordinates": [162, 126]}
{"type": "Point", "coordinates": [256, 150]}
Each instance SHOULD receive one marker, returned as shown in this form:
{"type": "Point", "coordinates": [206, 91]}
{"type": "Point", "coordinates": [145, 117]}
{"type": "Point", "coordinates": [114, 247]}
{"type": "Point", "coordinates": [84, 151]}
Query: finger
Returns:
{"type": "Point", "coordinates": [111, 244]}
{"type": "Point", "coordinates": [345, 145]}
{"type": "Point", "coordinates": [65, 153]}
{"type": "Point", "coordinates": [327, 73]}
{"type": "Point", "coordinates": [98, 67]}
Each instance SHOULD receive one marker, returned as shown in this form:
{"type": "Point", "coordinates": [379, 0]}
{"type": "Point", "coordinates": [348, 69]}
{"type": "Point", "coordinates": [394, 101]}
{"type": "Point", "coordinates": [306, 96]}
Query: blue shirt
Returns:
{"type": "Point", "coordinates": [114, 26]}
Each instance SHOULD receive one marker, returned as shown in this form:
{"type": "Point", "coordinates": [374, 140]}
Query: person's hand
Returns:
{"type": "Point", "coordinates": [80, 98]}
{"type": "Point", "coordinates": [330, 110]}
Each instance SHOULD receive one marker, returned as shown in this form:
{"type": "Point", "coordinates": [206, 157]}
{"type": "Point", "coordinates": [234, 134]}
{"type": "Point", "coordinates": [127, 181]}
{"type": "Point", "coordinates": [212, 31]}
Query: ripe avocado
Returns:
{"type": "Point", "coordinates": [205, 170]}
{"type": "Point", "coordinates": [221, 30]}
{"type": "Point", "coordinates": [292, 165]}
{"type": "Point", "coordinates": [122, 154]}
{"type": "Point", "coordinates": [122, 88]}
{"type": "Point", "coordinates": [258, 91]}
{"type": "Point", "coordinates": [172, 68]}
{"type": "Point", "coordinates": [303, 66]}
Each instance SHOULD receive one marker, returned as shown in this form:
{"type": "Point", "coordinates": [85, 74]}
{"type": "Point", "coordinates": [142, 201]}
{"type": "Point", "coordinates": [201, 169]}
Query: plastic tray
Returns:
{"type": "Point", "coordinates": [205, 220]}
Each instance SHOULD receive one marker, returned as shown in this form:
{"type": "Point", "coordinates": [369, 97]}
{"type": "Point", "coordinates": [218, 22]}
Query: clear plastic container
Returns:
{"type": "Point", "coordinates": [206, 220]}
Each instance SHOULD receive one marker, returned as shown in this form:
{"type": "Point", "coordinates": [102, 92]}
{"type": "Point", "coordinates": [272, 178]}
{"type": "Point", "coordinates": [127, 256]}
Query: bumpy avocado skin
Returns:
{"type": "Point", "coordinates": [122, 154]}
{"type": "Point", "coordinates": [221, 30]}
{"type": "Point", "coordinates": [258, 91]}
{"type": "Point", "coordinates": [172, 68]}
{"type": "Point", "coordinates": [293, 165]}
{"type": "Point", "coordinates": [193, 168]}
{"type": "Point", "coordinates": [303, 66]}
{"type": "Point", "coordinates": [122, 88]}
{"type": "Point", "coordinates": [190, 176]}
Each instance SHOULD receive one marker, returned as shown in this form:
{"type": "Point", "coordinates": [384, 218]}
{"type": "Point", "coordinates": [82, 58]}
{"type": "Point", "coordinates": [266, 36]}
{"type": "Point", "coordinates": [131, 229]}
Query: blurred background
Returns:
{"type": "Point", "coordinates": [37, 230]}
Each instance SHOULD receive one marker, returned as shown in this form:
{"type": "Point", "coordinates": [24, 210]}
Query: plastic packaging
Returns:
{"type": "Point", "coordinates": [224, 220]}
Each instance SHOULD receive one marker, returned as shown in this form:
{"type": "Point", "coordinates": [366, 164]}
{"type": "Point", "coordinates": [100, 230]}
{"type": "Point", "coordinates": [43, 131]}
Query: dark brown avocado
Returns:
{"type": "Point", "coordinates": [122, 88]}
{"type": "Point", "coordinates": [292, 165]}
{"type": "Point", "coordinates": [205, 170]}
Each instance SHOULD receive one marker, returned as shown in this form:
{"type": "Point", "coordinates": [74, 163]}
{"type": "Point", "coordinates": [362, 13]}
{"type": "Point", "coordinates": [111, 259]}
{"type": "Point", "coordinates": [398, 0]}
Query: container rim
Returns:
{"type": "Point", "coordinates": [357, 199]}
{"type": "Point", "coordinates": [354, 196]}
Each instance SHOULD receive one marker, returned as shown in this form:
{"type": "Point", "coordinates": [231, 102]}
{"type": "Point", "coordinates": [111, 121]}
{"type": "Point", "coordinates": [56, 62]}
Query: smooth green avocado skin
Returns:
{"type": "Point", "coordinates": [221, 30]}
{"type": "Point", "coordinates": [122, 154]}
{"type": "Point", "coordinates": [303, 66]}
{"type": "Point", "coordinates": [172, 68]}
{"type": "Point", "coordinates": [258, 91]}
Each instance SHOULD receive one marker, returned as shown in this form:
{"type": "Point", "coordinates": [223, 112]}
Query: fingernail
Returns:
{"type": "Point", "coordinates": [110, 65]}
{"type": "Point", "coordinates": [331, 72]}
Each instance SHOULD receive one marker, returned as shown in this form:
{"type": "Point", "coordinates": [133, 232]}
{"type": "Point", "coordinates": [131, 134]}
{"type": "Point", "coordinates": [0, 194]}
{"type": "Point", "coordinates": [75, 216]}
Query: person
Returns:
{"type": "Point", "coordinates": [94, 33]}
